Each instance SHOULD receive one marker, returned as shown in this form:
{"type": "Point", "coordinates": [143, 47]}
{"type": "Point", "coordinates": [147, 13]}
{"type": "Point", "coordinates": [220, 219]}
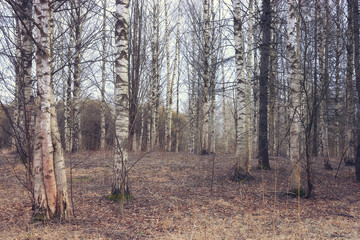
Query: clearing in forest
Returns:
{"type": "Point", "coordinates": [184, 196]}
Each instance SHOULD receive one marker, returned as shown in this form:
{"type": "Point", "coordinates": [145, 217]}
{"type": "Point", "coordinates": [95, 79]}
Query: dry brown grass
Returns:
{"type": "Point", "coordinates": [172, 200]}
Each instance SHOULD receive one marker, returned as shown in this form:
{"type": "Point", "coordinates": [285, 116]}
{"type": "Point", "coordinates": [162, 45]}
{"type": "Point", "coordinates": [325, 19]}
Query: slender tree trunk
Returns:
{"type": "Point", "coordinates": [337, 80]}
{"type": "Point", "coordinates": [153, 76]}
{"type": "Point", "coordinates": [76, 133]}
{"type": "Point", "coordinates": [168, 139]}
{"type": "Point", "coordinates": [191, 116]}
{"type": "Point", "coordinates": [225, 121]}
{"type": "Point", "coordinates": [192, 100]}
{"type": "Point", "coordinates": [294, 95]}
{"type": "Point", "coordinates": [264, 75]}
{"type": "Point", "coordinates": [317, 37]}
{"type": "Point", "coordinates": [16, 129]}
{"type": "Point", "coordinates": [349, 95]}
{"type": "Point", "coordinates": [177, 127]}
{"type": "Point", "coordinates": [120, 181]}
{"type": "Point", "coordinates": [249, 74]}
{"type": "Point", "coordinates": [272, 88]}
{"type": "Point", "coordinates": [255, 115]}
{"type": "Point", "coordinates": [103, 80]}
{"type": "Point", "coordinates": [212, 76]}
{"type": "Point", "coordinates": [68, 102]}
{"type": "Point", "coordinates": [24, 113]}
{"type": "Point", "coordinates": [324, 65]}
{"type": "Point", "coordinates": [135, 75]}
{"type": "Point", "coordinates": [224, 113]}
{"type": "Point", "coordinates": [242, 155]}
{"type": "Point", "coordinates": [206, 79]}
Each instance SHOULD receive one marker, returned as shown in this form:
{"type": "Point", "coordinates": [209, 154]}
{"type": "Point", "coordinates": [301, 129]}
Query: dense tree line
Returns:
{"type": "Point", "coordinates": [255, 79]}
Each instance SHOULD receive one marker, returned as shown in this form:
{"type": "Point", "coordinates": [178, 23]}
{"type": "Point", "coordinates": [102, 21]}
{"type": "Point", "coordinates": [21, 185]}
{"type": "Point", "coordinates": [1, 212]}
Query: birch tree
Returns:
{"type": "Point", "coordinates": [206, 81]}
{"type": "Point", "coordinates": [50, 190]}
{"type": "Point", "coordinates": [242, 155]}
{"type": "Point", "coordinates": [120, 187]}
{"type": "Point", "coordinates": [293, 57]}
{"type": "Point", "coordinates": [103, 80]}
{"type": "Point", "coordinates": [324, 75]}
{"type": "Point", "coordinates": [76, 132]}
{"type": "Point", "coordinates": [248, 130]}
{"type": "Point", "coordinates": [223, 94]}
{"type": "Point", "coordinates": [155, 82]}
{"type": "Point", "coordinates": [24, 112]}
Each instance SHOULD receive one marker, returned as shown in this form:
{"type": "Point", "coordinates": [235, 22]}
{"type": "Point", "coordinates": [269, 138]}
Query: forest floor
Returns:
{"type": "Point", "coordinates": [184, 196]}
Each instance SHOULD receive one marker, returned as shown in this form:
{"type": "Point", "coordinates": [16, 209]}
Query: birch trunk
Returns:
{"type": "Point", "coordinates": [168, 139]}
{"type": "Point", "coordinates": [315, 92]}
{"type": "Point", "coordinates": [103, 80]}
{"type": "Point", "coordinates": [248, 131]}
{"type": "Point", "coordinates": [190, 110]}
{"type": "Point", "coordinates": [25, 121]}
{"type": "Point", "coordinates": [177, 126]}
{"type": "Point", "coordinates": [212, 75]}
{"type": "Point", "coordinates": [50, 192]}
{"type": "Point", "coordinates": [68, 102]}
{"type": "Point", "coordinates": [155, 90]}
{"type": "Point", "coordinates": [223, 102]}
{"type": "Point", "coordinates": [324, 65]}
{"type": "Point", "coordinates": [17, 96]}
{"type": "Point", "coordinates": [120, 181]}
{"type": "Point", "coordinates": [192, 101]}
{"type": "Point", "coordinates": [206, 80]}
{"type": "Point", "coordinates": [294, 96]}
{"type": "Point", "coordinates": [241, 171]}
{"type": "Point", "coordinates": [255, 116]}
{"type": "Point", "coordinates": [76, 134]}
{"type": "Point", "coordinates": [26, 65]}
{"type": "Point", "coordinates": [62, 201]}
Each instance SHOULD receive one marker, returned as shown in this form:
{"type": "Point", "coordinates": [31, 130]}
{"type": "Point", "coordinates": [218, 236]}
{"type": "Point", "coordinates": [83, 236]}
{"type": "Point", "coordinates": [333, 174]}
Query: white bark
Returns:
{"type": "Point", "coordinates": [206, 79]}
{"type": "Point", "coordinates": [76, 135]}
{"type": "Point", "coordinates": [103, 80]}
{"type": "Point", "coordinates": [155, 88]}
{"type": "Point", "coordinates": [192, 102]}
{"type": "Point", "coordinates": [241, 144]}
{"type": "Point", "coordinates": [212, 129]}
{"type": "Point", "coordinates": [248, 132]}
{"type": "Point", "coordinates": [50, 190]}
{"type": "Point", "coordinates": [293, 57]}
{"type": "Point", "coordinates": [68, 102]}
{"type": "Point", "coordinates": [169, 84]}
{"type": "Point", "coordinates": [119, 185]}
